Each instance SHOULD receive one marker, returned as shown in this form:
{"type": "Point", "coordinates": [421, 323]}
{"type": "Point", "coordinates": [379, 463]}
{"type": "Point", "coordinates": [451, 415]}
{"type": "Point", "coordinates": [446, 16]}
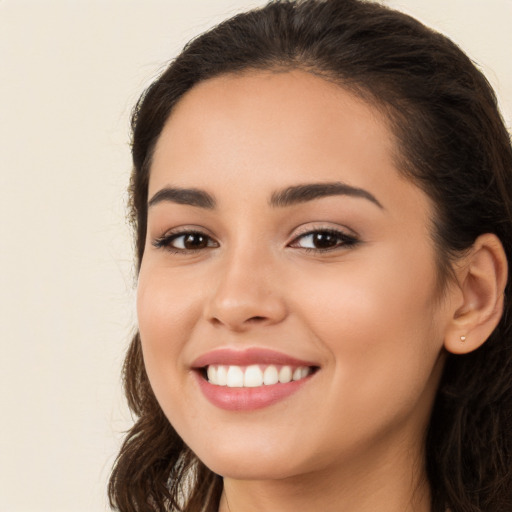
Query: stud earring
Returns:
{"type": "Point", "coordinates": [463, 339]}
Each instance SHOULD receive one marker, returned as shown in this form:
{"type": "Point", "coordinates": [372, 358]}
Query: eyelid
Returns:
{"type": "Point", "coordinates": [164, 241]}
{"type": "Point", "coordinates": [346, 236]}
{"type": "Point", "coordinates": [184, 229]}
{"type": "Point", "coordinates": [309, 228]}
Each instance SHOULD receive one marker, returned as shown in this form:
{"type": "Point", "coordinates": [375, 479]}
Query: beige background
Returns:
{"type": "Point", "coordinates": [70, 73]}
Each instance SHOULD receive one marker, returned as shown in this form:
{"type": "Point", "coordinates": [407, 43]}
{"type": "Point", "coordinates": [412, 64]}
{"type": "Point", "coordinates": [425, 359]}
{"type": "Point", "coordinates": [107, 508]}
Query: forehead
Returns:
{"type": "Point", "coordinates": [268, 130]}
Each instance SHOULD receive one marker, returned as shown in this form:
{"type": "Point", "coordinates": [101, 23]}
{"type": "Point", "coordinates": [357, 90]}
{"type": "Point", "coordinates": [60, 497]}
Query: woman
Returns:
{"type": "Point", "coordinates": [322, 197]}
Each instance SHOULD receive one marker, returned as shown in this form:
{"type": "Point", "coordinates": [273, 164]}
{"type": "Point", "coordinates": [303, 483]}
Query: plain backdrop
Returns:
{"type": "Point", "coordinates": [70, 72]}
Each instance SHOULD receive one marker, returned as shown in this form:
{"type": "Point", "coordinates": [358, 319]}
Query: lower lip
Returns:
{"type": "Point", "coordinates": [248, 399]}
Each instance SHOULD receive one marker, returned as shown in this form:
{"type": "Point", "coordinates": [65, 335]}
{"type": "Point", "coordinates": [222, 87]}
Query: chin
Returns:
{"type": "Point", "coordinates": [246, 461]}
{"type": "Point", "coordinates": [250, 469]}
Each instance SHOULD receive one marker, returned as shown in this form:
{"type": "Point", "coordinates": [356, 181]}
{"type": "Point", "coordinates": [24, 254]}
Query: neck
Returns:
{"type": "Point", "coordinates": [389, 482]}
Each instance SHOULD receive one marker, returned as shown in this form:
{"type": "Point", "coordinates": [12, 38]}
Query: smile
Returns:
{"type": "Point", "coordinates": [254, 378]}
{"type": "Point", "coordinates": [255, 375]}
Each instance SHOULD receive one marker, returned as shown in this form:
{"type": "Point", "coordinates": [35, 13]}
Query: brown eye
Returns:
{"type": "Point", "coordinates": [324, 240]}
{"type": "Point", "coordinates": [188, 241]}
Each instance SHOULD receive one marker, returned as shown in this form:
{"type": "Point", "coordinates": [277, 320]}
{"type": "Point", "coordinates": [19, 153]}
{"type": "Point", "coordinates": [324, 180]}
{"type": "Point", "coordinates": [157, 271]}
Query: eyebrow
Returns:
{"type": "Point", "coordinates": [289, 196]}
{"type": "Point", "coordinates": [187, 196]}
{"type": "Point", "coordinates": [308, 192]}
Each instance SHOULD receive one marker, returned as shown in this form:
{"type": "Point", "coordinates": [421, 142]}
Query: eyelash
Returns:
{"type": "Point", "coordinates": [343, 241]}
{"type": "Point", "coordinates": [165, 241]}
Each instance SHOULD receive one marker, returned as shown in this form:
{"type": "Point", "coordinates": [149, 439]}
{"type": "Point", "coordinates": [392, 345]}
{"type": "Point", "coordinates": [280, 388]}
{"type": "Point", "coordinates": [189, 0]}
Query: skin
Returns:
{"type": "Point", "coordinates": [369, 315]}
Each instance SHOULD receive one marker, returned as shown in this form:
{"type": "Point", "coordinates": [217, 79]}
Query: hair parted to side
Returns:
{"type": "Point", "coordinates": [451, 142]}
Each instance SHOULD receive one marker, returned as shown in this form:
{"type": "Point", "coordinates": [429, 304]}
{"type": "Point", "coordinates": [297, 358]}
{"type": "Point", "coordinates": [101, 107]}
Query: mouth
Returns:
{"type": "Point", "coordinates": [254, 378]}
{"type": "Point", "coordinates": [255, 375]}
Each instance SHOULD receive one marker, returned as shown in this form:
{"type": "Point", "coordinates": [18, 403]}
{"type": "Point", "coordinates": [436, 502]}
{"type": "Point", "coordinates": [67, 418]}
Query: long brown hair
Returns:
{"type": "Point", "coordinates": [451, 142]}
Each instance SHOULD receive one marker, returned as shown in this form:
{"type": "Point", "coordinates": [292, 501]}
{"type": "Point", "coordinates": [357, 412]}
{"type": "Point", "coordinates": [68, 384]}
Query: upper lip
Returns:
{"type": "Point", "coordinates": [246, 357]}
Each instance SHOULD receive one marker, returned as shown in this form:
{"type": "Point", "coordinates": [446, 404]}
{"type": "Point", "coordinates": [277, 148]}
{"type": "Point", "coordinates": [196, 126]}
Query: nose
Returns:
{"type": "Point", "coordinates": [247, 294]}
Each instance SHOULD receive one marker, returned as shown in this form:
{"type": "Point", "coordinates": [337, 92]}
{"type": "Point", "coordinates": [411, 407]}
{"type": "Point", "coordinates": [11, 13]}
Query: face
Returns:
{"type": "Point", "coordinates": [287, 301]}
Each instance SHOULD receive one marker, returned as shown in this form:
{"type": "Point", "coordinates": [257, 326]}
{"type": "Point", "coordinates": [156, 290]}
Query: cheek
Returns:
{"type": "Point", "coordinates": [380, 324]}
{"type": "Point", "coordinates": [167, 302]}
{"type": "Point", "coordinates": [167, 310]}
{"type": "Point", "coordinates": [391, 296]}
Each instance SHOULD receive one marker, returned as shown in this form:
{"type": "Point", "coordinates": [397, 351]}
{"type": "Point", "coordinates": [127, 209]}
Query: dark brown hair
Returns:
{"type": "Point", "coordinates": [451, 141]}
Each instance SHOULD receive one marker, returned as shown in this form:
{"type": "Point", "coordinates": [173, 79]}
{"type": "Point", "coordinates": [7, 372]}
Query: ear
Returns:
{"type": "Point", "coordinates": [482, 277]}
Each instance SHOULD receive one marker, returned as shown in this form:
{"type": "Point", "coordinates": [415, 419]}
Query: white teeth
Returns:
{"type": "Point", "coordinates": [222, 376]}
{"type": "Point", "coordinates": [285, 374]}
{"type": "Point", "coordinates": [270, 376]}
{"type": "Point", "coordinates": [254, 376]}
{"type": "Point", "coordinates": [212, 373]}
{"type": "Point", "coordinates": [235, 377]}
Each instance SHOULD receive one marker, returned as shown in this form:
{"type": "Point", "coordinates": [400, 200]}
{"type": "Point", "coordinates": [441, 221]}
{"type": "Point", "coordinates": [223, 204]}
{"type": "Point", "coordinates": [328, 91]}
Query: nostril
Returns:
{"type": "Point", "coordinates": [256, 319]}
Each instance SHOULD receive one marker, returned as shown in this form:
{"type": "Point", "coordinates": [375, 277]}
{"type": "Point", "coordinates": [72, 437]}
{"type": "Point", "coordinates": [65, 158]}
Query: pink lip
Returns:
{"type": "Point", "coordinates": [247, 399]}
{"type": "Point", "coordinates": [246, 357]}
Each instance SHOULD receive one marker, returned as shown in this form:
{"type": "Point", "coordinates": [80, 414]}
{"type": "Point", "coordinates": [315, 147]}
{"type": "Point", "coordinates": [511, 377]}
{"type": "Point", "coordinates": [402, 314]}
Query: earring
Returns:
{"type": "Point", "coordinates": [463, 339]}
